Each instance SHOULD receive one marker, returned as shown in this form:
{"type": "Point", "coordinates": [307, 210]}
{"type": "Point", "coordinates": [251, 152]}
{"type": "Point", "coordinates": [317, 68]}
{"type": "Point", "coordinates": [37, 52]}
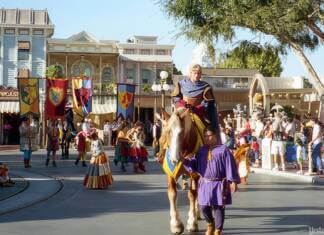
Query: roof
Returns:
{"type": "Point", "coordinates": [13, 17]}
{"type": "Point", "coordinates": [279, 83]}
{"type": "Point", "coordinates": [83, 36]}
{"type": "Point", "coordinates": [145, 46]}
{"type": "Point", "coordinates": [147, 58]}
{"type": "Point", "coordinates": [228, 72]}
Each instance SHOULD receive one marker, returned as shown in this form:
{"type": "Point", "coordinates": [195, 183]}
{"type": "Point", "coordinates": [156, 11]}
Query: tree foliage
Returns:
{"type": "Point", "coordinates": [249, 55]}
{"type": "Point", "coordinates": [295, 24]}
{"type": "Point", "coordinates": [288, 20]}
{"type": "Point", "coordinates": [307, 84]}
{"type": "Point", "coordinates": [176, 71]}
{"type": "Point", "coordinates": [54, 71]}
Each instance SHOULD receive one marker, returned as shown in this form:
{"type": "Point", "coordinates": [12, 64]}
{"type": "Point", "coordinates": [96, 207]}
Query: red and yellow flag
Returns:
{"type": "Point", "coordinates": [28, 96]}
{"type": "Point", "coordinates": [82, 96]}
{"type": "Point", "coordinates": [56, 89]}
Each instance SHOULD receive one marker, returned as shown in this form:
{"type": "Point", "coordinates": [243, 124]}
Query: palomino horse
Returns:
{"type": "Point", "coordinates": [181, 136]}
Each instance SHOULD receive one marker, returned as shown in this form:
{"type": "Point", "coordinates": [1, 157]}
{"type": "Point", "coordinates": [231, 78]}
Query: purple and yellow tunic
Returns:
{"type": "Point", "coordinates": [199, 97]}
{"type": "Point", "coordinates": [215, 175]}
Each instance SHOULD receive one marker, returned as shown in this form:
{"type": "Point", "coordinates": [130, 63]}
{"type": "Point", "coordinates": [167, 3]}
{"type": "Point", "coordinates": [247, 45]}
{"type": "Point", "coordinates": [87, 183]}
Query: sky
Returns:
{"type": "Point", "coordinates": [121, 19]}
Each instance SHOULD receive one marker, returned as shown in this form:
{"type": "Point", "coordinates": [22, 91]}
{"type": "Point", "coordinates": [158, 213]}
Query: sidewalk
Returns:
{"type": "Point", "coordinates": [9, 147]}
{"type": "Point", "coordinates": [39, 188]}
{"type": "Point", "coordinates": [291, 173]}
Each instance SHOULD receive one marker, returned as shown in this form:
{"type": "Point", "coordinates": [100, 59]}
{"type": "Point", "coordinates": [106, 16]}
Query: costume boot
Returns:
{"type": "Point", "coordinates": [47, 162]}
{"type": "Point", "coordinates": [77, 161]}
{"type": "Point", "coordinates": [84, 164]}
{"type": "Point", "coordinates": [218, 232]}
{"type": "Point", "coordinates": [135, 168]}
{"type": "Point", "coordinates": [123, 168]}
{"type": "Point", "coordinates": [243, 181]}
{"type": "Point", "coordinates": [210, 229]}
{"type": "Point", "coordinates": [25, 163]}
{"type": "Point", "coordinates": [28, 163]}
{"type": "Point", "coordinates": [141, 167]}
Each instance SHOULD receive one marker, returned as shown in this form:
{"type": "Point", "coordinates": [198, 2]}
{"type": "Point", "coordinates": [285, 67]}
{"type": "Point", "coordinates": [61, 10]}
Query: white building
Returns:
{"type": "Point", "coordinates": [23, 35]}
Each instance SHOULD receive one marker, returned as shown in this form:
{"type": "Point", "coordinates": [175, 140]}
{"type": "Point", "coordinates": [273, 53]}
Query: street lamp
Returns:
{"type": "Point", "coordinates": [162, 87]}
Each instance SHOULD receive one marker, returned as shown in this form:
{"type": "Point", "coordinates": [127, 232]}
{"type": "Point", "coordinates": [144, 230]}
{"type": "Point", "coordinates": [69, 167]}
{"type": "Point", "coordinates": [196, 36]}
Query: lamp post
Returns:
{"type": "Point", "coordinates": [161, 86]}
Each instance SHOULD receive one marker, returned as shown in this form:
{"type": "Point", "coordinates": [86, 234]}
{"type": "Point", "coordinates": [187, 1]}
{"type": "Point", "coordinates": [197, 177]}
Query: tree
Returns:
{"type": "Point", "coordinates": [176, 71]}
{"type": "Point", "coordinates": [291, 24]}
{"type": "Point", "coordinates": [249, 55]}
{"type": "Point", "coordinates": [307, 84]}
{"type": "Point", "coordinates": [54, 71]}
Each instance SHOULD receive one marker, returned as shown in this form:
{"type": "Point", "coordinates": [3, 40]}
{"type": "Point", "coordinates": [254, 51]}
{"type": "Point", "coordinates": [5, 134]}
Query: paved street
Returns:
{"type": "Point", "coordinates": [137, 204]}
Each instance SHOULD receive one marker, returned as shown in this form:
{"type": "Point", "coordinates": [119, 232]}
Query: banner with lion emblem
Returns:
{"type": "Point", "coordinates": [125, 100]}
{"type": "Point", "coordinates": [56, 89]}
{"type": "Point", "coordinates": [28, 96]}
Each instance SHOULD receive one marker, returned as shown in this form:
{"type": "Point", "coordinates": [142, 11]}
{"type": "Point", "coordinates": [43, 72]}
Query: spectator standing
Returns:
{"type": "Point", "coordinates": [107, 130]}
{"type": "Point", "coordinates": [278, 145]}
{"type": "Point", "coordinates": [316, 144]}
{"type": "Point", "coordinates": [6, 132]}
{"type": "Point", "coordinates": [28, 140]}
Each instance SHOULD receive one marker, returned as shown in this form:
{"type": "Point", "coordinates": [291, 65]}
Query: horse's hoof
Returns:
{"type": "Point", "coordinates": [192, 227]}
{"type": "Point", "coordinates": [177, 229]}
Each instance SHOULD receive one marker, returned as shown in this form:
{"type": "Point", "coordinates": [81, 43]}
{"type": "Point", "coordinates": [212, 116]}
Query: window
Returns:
{"type": "Point", "coordinates": [146, 76]}
{"type": "Point", "coordinates": [23, 73]}
{"type": "Point", "coordinates": [145, 52]}
{"type": "Point", "coordinates": [129, 51]}
{"type": "Point", "coordinates": [160, 52]}
{"type": "Point", "coordinates": [23, 50]}
{"type": "Point", "coordinates": [9, 31]}
{"type": "Point", "coordinates": [82, 67]}
{"type": "Point", "coordinates": [130, 73]}
{"type": "Point", "coordinates": [38, 32]}
{"type": "Point", "coordinates": [23, 32]}
{"type": "Point", "coordinates": [107, 74]}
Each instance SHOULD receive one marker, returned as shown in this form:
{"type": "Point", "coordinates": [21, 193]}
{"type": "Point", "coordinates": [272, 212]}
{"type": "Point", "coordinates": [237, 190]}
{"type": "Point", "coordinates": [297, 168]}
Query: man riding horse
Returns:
{"type": "Point", "coordinates": [197, 96]}
{"type": "Point", "coordinates": [182, 136]}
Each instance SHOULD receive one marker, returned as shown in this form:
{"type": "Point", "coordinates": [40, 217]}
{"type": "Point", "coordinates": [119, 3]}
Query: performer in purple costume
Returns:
{"type": "Point", "coordinates": [198, 96]}
{"type": "Point", "coordinates": [218, 178]}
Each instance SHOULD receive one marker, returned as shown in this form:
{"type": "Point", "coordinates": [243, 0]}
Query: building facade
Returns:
{"type": "Point", "coordinates": [138, 61]}
{"type": "Point", "coordinates": [141, 61]}
{"type": "Point", "coordinates": [23, 39]}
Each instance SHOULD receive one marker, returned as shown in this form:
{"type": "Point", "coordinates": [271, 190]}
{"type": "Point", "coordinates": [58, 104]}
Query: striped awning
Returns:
{"type": "Point", "coordinates": [104, 108]}
{"type": "Point", "coordinates": [9, 107]}
{"type": "Point", "coordinates": [13, 107]}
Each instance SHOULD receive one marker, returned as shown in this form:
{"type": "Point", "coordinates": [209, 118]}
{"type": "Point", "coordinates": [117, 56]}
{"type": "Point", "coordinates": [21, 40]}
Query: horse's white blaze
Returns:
{"type": "Point", "coordinates": [174, 146]}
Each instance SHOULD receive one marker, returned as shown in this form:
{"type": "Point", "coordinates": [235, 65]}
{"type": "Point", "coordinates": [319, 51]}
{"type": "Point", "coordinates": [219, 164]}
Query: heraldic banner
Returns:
{"type": "Point", "coordinates": [56, 89]}
{"type": "Point", "coordinates": [125, 100]}
{"type": "Point", "coordinates": [82, 96]}
{"type": "Point", "coordinates": [28, 96]}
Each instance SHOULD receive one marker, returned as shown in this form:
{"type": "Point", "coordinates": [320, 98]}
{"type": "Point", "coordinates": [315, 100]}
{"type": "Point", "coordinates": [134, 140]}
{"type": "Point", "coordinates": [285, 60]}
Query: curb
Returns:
{"type": "Point", "coordinates": [310, 179]}
{"type": "Point", "coordinates": [30, 196]}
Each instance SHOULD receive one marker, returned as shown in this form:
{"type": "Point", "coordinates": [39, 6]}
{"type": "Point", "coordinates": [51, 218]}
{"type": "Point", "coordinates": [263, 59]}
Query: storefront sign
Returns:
{"type": "Point", "coordinates": [8, 93]}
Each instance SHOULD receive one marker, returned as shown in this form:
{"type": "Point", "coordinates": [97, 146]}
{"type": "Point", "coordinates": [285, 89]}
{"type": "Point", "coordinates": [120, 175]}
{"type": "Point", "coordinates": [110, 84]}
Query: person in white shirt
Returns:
{"type": "Point", "coordinates": [107, 130]}
{"type": "Point", "coordinates": [316, 145]}
{"type": "Point", "coordinates": [278, 145]}
{"type": "Point", "coordinates": [258, 131]}
{"type": "Point", "coordinates": [290, 129]}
